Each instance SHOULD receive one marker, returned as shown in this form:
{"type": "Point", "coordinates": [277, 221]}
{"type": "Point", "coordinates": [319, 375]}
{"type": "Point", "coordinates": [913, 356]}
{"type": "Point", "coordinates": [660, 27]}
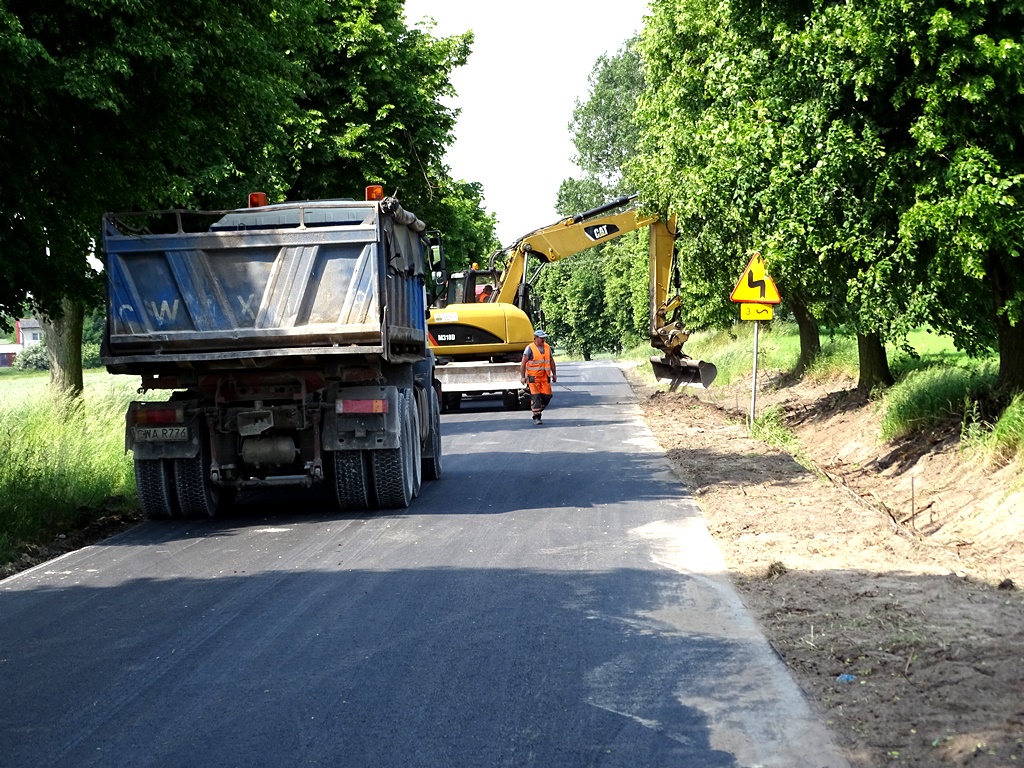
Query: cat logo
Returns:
{"type": "Point", "coordinates": [600, 231]}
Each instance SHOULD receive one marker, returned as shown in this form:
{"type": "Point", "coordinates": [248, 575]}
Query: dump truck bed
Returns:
{"type": "Point", "coordinates": [292, 280]}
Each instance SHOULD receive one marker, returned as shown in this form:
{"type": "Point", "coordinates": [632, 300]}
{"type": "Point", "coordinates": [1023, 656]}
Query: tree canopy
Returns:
{"type": "Point", "coordinates": [870, 149]}
{"type": "Point", "coordinates": [114, 105]}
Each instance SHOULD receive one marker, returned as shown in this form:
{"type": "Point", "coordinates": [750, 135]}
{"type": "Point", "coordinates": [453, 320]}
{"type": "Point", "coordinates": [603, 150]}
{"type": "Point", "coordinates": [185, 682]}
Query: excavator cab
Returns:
{"type": "Point", "coordinates": [469, 286]}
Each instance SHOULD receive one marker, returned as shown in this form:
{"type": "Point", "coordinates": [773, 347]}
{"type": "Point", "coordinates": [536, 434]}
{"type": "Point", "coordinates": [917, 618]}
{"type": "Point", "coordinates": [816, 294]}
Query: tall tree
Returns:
{"type": "Point", "coordinates": [967, 221]}
{"type": "Point", "coordinates": [573, 296]}
{"type": "Point", "coordinates": [467, 228]}
{"type": "Point", "coordinates": [120, 105]}
{"type": "Point", "coordinates": [374, 112]}
{"type": "Point", "coordinates": [128, 105]}
{"type": "Point", "coordinates": [592, 305]}
{"type": "Point", "coordinates": [604, 131]}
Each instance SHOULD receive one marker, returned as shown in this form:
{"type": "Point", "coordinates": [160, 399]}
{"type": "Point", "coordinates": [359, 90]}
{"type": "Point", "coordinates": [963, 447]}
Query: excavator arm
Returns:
{"type": "Point", "coordinates": [577, 233]}
{"type": "Point", "coordinates": [668, 334]}
{"type": "Point", "coordinates": [565, 238]}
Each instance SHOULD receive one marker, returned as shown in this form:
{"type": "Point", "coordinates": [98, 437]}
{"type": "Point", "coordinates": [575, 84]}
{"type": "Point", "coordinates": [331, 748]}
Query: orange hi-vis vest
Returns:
{"type": "Point", "coordinates": [539, 364]}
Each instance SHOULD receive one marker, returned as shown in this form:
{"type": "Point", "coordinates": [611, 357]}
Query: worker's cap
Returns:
{"type": "Point", "coordinates": [540, 334]}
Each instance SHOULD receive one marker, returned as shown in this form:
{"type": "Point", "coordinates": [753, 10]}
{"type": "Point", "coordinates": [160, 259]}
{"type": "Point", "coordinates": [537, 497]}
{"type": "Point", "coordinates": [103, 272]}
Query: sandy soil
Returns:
{"type": "Point", "coordinates": [886, 575]}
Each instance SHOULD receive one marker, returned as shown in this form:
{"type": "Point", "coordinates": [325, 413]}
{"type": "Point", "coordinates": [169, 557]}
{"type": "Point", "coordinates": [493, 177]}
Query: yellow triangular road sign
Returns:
{"type": "Point", "coordinates": [755, 286]}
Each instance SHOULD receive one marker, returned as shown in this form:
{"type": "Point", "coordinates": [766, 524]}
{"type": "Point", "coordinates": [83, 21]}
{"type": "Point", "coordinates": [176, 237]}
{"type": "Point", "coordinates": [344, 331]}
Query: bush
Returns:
{"type": "Point", "coordinates": [32, 358]}
{"type": "Point", "coordinates": [91, 356]}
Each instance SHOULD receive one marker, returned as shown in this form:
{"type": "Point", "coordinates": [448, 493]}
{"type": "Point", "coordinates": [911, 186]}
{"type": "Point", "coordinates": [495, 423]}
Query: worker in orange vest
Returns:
{"type": "Point", "coordinates": [538, 370]}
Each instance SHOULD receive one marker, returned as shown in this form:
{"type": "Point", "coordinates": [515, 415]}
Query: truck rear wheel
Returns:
{"type": "Point", "coordinates": [154, 482]}
{"type": "Point", "coordinates": [351, 481]}
{"type": "Point", "coordinates": [392, 467]}
{"type": "Point", "coordinates": [510, 399]}
{"type": "Point", "coordinates": [197, 495]}
{"type": "Point", "coordinates": [431, 461]}
{"type": "Point", "coordinates": [452, 401]}
{"type": "Point", "coordinates": [415, 446]}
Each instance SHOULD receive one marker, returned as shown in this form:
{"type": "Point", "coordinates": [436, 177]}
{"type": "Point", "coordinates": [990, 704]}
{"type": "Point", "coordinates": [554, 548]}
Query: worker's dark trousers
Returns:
{"type": "Point", "coordinates": [539, 401]}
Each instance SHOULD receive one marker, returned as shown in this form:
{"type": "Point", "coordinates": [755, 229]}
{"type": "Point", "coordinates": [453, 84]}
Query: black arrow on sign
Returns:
{"type": "Point", "coordinates": [752, 283]}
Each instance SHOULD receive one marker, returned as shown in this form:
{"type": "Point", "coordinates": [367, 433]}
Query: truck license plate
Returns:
{"type": "Point", "coordinates": [155, 434]}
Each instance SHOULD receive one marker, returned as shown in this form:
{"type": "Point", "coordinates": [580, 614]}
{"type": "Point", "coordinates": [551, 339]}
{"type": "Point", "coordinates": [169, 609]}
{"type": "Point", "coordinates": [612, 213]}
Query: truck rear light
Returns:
{"type": "Point", "coordinates": [257, 199]}
{"type": "Point", "coordinates": [161, 415]}
{"type": "Point", "coordinates": [378, 405]}
{"type": "Point", "coordinates": [375, 192]}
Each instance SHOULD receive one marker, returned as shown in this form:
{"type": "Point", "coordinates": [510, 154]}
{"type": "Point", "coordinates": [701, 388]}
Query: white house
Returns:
{"type": "Point", "coordinates": [28, 332]}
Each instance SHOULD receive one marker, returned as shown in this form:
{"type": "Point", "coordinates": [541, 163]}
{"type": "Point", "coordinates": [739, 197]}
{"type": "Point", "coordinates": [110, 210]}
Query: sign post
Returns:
{"type": "Point", "coordinates": [757, 296]}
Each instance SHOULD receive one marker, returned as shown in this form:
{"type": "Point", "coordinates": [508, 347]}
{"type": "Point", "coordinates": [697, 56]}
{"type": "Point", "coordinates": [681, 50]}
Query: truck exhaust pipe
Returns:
{"type": "Point", "coordinates": [683, 372]}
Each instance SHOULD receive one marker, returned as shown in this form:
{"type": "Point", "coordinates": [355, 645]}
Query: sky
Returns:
{"type": "Point", "coordinates": [530, 63]}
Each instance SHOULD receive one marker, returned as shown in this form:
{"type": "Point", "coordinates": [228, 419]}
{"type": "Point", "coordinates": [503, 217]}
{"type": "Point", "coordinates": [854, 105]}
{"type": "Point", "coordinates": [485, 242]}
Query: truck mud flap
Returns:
{"type": "Point", "coordinates": [364, 418]}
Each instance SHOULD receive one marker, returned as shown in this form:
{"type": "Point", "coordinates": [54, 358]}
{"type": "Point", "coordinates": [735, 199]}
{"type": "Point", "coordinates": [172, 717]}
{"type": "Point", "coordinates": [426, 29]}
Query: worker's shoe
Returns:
{"type": "Point", "coordinates": [536, 418]}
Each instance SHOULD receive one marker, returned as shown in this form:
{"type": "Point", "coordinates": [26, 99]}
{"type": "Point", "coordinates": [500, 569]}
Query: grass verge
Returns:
{"type": "Point", "coordinates": [62, 463]}
{"type": "Point", "coordinates": [934, 385]}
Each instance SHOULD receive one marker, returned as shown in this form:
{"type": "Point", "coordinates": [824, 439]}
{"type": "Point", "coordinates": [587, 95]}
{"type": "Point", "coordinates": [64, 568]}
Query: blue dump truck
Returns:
{"type": "Point", "coordinates": [293, 340]}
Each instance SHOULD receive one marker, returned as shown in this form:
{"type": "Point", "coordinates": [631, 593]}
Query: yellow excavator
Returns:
{"type": "Point", "coordinates": [478, 336]}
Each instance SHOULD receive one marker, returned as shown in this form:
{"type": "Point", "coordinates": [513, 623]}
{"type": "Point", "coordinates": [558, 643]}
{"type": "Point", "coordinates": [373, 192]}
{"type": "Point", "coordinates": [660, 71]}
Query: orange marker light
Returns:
{"type": "Point", "coordinates": [257, 199]}
{"type": "Point", "coordinates": [375, 192]}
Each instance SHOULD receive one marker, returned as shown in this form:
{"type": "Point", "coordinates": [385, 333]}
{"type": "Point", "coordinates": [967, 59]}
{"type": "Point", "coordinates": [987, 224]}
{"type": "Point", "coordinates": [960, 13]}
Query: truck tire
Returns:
{"type": "Point", "coordinates": [154, 481]}
{"type": "Point", "coordinates": [452, 401]}
{"type": "Point", "coordinates": [415, 446]}
{"type": "Point", "coordinates": [197, 495]}
{"type": "Point", "coordinates": [351, 481]}
{"type": "Point", "coordinates": [391, 467]}
{"type": "Point", "coordinates": [510, 399]}
{"type": "Point", "coordinates": [431, 460]}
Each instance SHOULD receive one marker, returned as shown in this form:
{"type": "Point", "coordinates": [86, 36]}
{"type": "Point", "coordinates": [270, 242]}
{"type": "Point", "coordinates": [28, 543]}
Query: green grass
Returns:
{"type": "Point", "coordinates": [937, 384]}
{"type": "Point", "coordinates": [927, 396]}
{"type": "Point", "coordinates": [1005, 441]}
{"type": "Point", "coordinates": [770, 427]}
{"type": "Point", "coordinates": [60, 463]}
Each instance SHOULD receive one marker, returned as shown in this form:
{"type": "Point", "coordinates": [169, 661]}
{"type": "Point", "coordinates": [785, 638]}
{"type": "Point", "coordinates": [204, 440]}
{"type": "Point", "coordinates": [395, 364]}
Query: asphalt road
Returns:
{"type": "Point", "coordinates": [554, 600]}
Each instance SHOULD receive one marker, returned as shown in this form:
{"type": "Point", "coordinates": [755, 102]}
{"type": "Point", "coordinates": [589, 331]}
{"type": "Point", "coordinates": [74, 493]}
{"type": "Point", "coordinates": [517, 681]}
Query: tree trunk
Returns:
{"type": "Point", "coordinates": [1011, 337]}
{"type": "Point", "coordinates": [63, 336]}
{"type": "Point", "coordinates": [810, 339]}
{"type": "Point", "coordinates": [874, 364]}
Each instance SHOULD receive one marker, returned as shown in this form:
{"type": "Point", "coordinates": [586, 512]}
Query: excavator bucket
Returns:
{"type": "Point", "coordinates": [684, 372]}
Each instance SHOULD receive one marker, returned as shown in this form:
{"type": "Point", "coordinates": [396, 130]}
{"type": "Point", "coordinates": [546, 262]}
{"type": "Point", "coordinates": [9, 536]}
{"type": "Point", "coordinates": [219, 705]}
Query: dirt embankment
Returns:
{"type": "Point", "coordinates": [888, 578]}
